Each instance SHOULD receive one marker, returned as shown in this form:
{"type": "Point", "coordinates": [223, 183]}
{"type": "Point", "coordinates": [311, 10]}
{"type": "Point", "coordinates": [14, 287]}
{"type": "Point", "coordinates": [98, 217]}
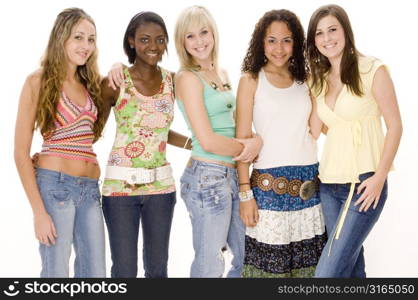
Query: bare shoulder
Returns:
{"type": "Point", "coordinates": [34, 79]}
{"type": "Point", "coordinates": [247, 78]}
{"type": "Point", "coordinates": [382, 71]}
{"type": "Point", "coordinates": [381, 77]}
{"type": "Point", "coordinates": [31, 87]}
{"type": "Point", "coordinates": [186, 77]}
{"type": "Point", "coordinates": [382, 82]}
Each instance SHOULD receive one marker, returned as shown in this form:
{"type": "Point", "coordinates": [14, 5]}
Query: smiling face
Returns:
{"type": "Point", "coordinates": [199, 43]}
{"type": "Point", "coordinates": [81, 43]}
{"type": "Point", "coordinates": [278, 44]}
{"type": "Point", "coordinates": [329, 37]}
{"type": "Point", "coordinates": [150, 43]}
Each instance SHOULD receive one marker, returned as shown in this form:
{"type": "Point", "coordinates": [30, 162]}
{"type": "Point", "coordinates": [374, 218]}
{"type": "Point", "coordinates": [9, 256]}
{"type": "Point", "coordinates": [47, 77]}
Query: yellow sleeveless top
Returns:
{"type": "Point", "coordinates": [355, 138]}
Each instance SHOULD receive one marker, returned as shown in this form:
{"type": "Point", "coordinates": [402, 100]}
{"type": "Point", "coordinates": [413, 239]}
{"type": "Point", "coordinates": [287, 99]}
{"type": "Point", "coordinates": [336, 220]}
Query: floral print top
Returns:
{"type": "Point", "coordinates": [143, 123]}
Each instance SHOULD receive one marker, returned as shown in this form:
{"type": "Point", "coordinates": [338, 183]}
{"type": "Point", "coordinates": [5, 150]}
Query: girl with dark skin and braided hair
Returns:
{"type": "Point", "coordinates": [280, 205]}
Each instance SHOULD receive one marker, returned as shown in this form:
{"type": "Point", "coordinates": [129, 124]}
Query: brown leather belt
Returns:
{"type": "Point", "coordinates": [281, 185]}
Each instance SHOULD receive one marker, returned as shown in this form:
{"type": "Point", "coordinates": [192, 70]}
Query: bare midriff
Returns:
{"type": "Point", "coordinates": [218, 162]}
{"type": "Point", "coordinates": [78, 168]}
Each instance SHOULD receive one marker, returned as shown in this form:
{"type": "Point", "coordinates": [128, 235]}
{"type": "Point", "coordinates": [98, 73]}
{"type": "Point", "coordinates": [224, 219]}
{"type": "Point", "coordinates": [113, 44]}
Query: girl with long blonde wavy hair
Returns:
{"type": "Point", "coordinates": [62, 100]}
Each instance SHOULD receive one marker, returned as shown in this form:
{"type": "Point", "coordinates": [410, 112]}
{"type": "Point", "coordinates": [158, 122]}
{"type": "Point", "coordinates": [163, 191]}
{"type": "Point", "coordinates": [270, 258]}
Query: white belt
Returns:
{"type": "Point", "coordinates": [138, 175]}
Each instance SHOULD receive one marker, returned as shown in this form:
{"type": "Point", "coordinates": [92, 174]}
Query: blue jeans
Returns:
{"type": "Point", "coordinates": [346, 258]}
{"type": "Point", "coordinates": [122, 215]}
{"type": "Point", "coordinates": [74, 206]}
{"type": "Point", "coordinates": [210, 192]}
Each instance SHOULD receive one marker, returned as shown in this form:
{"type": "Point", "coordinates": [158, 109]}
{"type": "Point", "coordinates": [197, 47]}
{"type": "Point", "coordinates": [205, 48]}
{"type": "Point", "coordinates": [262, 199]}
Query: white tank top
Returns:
{"type": "Point", "coordinates": [281, 118]}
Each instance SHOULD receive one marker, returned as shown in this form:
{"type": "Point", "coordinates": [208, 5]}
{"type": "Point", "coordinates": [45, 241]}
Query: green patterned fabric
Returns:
{"type": "Point", "coordinates": [143, 124]}
{"type": "Point", "coordinates": [252, 272]}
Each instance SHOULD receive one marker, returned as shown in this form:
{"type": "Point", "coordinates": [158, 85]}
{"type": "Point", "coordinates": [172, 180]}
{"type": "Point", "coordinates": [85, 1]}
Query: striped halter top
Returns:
{"type": "Point", "coordinates": [73, 135]}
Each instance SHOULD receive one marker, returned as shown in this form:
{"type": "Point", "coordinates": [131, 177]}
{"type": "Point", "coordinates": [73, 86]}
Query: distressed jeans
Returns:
{"type": "Point", "coordinates": [210, 192]}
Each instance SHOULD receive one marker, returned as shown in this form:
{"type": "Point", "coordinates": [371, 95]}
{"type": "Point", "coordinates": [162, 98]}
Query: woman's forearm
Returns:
{"type": "Point", "coordinates": [27, 176]}
{"type": "Point", "coordinates": [243, 176]}
{"type": "Point", "coordinates": [179, 140]}
{"type": "Point", "coordinates": [392, 140]}
{"type": "Point", "coordinates": [220, 145]}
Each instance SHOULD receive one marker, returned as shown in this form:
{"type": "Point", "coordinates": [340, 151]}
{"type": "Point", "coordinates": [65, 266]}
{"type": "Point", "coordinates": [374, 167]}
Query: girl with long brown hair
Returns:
{"type": "Point", "coordinates": [62, 100]}
{"type": "Point", "coordinates": [352, 93]}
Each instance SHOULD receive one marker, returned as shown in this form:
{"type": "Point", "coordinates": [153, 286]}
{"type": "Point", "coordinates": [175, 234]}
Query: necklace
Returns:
{"type": "Point", "coordinates": [226, 86]}
{"type": "Point", "coordinates": [214, 80]}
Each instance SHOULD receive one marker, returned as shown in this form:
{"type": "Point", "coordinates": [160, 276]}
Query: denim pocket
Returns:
{"type": "Point", "coordinates": [60, 198]}
{"type": "Point", "coordinates": [216, 191]}
{"type": "Point", "coordinates": [95, 197]}
{"type": "Point", "coordinates": [211, 178]}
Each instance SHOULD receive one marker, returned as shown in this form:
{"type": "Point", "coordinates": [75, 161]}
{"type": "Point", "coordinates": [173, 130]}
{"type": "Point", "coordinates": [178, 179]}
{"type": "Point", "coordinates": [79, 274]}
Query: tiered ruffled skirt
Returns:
{"type": "Point", "coordinates": [290, 235]}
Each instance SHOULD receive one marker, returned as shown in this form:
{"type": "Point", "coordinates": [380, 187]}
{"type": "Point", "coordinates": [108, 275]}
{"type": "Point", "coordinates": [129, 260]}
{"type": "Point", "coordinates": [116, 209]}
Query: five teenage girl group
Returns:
{"type": "Point", "coordinates": [291, 217]}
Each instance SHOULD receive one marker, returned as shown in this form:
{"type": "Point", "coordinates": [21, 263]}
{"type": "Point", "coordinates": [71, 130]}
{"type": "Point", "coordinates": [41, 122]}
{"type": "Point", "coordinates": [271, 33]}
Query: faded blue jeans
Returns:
{"type": "Point", "coordinates": [74, 206]}
{"type": "Point", "coordinates": [210, 192]}
{"type": "Point", "coordinates": [346, 258]}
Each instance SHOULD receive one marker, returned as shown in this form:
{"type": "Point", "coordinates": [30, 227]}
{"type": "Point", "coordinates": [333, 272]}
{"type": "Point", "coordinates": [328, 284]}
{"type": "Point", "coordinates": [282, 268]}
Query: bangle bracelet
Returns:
{"type": "Point", "coordinates": [185, 144]}
{"type": "Point", "coordinates": [246, 196]}
{"type": "Point", "coordinates": [244, 183]}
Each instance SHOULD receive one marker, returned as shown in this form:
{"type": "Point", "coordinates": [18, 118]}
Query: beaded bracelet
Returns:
{"type": "Point", "coordinates": [246, 196]}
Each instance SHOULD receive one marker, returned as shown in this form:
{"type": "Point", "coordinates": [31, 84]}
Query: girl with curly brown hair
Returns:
{"type": "Point", "coordinates": [62, 99]}
{"type": "Point", "coordinates": [279, 205]}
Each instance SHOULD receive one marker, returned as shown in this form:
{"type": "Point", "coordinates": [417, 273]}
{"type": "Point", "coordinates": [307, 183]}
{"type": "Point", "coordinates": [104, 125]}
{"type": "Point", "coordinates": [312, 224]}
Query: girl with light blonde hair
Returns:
{"type": "Point", "coordinates": [209, 183]}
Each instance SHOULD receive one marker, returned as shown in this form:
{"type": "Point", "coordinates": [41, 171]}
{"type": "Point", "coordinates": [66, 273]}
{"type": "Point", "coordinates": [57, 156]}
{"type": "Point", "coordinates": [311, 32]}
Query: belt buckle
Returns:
{"type": "Point", "coordinates": [141, 176]}
{"type": "Point", "coordinates": [307, 190]}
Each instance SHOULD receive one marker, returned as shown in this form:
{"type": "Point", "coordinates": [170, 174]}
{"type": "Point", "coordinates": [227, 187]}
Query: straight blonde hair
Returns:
{"type": "Point", "coordinates": [194, 16]}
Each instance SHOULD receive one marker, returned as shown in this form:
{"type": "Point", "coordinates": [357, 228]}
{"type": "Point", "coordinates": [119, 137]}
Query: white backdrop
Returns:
{"type": "Point", "coordinates": [385, 29]}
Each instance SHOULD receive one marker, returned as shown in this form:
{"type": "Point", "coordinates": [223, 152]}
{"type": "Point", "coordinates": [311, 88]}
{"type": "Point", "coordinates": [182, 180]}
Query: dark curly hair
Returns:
{"type": "Point", "coordinates": [255, 59]}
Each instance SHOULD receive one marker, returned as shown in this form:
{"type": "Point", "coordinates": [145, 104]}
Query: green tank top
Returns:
{"type": "Point", "coordinates": [220, 107]}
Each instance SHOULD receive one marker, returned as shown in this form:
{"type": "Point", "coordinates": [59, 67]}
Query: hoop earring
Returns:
{"type": "Point", "coordinates": [265, 58]}
{"type": "Point", "coordinates": [132, 46]}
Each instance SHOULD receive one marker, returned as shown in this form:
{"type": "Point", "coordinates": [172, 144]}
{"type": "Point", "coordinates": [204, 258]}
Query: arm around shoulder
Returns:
{"type": "Point", "coordinates": [109, 96]}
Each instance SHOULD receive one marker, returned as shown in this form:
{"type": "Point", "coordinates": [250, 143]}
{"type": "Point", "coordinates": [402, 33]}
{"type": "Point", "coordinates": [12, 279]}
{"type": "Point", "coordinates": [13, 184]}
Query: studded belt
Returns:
{"type": "Point", "coordinates": [281, 185]}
